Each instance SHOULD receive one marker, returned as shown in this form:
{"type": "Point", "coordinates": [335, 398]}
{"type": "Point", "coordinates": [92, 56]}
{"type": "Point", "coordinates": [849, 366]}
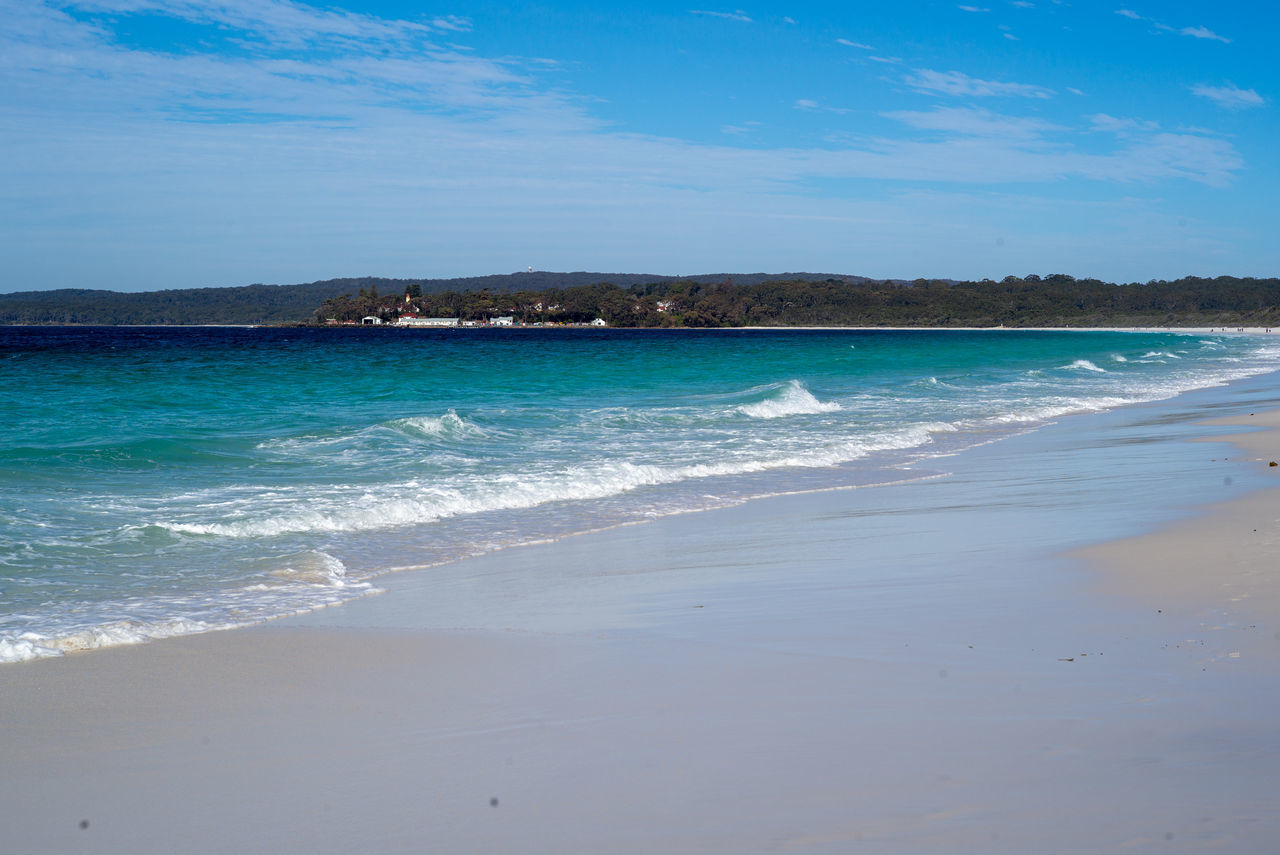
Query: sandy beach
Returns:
{"type": "Point", "coordinates": [948, 665]}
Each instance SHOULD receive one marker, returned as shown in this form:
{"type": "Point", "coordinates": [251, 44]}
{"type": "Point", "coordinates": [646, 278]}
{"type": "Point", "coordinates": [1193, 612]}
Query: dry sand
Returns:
{"type": "Point", "coordinates": [774, 703]}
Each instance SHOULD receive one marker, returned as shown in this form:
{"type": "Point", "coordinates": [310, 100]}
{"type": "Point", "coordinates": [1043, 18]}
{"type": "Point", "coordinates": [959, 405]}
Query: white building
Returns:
{"type": "Point", "coordinates": [370, 321]}
{"type": "Point", "coordinates": [415, 321]}
{"type": "Point", "coordinates": [599, 322]}
{"type": "Point", "coordinates": [504, 321]}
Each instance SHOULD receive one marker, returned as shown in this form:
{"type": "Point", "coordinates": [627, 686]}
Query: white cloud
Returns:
{"type": "Point", "coordinates": [972, 9]}
{"type": "Point", "coordinates": [891, 60]}
{"type": "Point", "coordinates": [972, 122]}
{"type": "Point", "coordinates": [958, 83]}
{"type": "Point", "coordinates": [1193, 32]}
{"type": "Point", "coordinates": [859, 45]}
{"type": "Point", "coordinates": [280, 22]}
{"type": "Point", "coordinates": [1111, 124]}
{"type": "Point", "coordinates": [1022, 4]}
{"type": "Point", "coordinates": [736, 15]}
{"type": "Point", "coordinates": [1203, 33]}
{"type": "Point", "coordinates": [811, 106]}
{"type": "Point", "coordinates": [1011, 37]}
{"type": "Point", "coordinates": [1074, 91]}
{"type": "Point", "coordinates": [788, 20]}
{"type": "Point", "coordinates": [1231, 97]}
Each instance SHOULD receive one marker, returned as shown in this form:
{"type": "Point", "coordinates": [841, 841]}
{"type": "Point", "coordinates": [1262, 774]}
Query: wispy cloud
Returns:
{"type": "Point", "coordinates": [972, 9]}
{"type": "Point", "coordinates": [736, 15]}
{"type": "Point", "coordinates": [970, 122]}
{"type": "Point", "coordinates": [811, 106]}
{"type": "Point", "coordinates": [358, 68]}
{"type": "Point", "coordinates": [1204, 33]}
{"type": "Point", "coordinates": [280, 22]}
{"type": "Point", "coordinates": [1112, 124]}
{"type": "Point", "coordinates": [851, 44]}
{"type": "Point", "coordinates": [1231, 97]}
{"type": "Point", "coordinates": [959, 83]}
{"type": "Point", "coordinates": [1193, 32]}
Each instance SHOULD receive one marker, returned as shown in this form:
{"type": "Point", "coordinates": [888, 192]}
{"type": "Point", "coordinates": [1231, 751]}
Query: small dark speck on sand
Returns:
{"type": "Point", "coordinates": [493, 802]}
{"type": "Point", "coordinates": [1072, 659]}
{"type": "Point", "coordinates": [84, 823]}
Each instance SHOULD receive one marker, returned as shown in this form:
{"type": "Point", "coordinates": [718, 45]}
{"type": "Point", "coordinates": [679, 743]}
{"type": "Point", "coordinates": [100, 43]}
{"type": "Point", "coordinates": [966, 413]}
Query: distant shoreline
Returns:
{"type": "Point", "coordinates": [1191, 330]}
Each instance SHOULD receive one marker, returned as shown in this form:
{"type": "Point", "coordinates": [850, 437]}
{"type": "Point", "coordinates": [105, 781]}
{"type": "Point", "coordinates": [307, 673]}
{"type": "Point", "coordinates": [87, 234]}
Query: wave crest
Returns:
{"type": "Point", "coordinates": [315, 568]}
{"type": "Point", "coordinates": [433, 427]}
{"type": "Point", "coordinates": [790, 399]}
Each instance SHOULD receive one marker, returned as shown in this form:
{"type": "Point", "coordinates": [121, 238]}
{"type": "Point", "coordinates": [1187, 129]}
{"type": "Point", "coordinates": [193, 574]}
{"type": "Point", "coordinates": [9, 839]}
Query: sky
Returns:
{"type": "Point", "coordinates": [148, 144]}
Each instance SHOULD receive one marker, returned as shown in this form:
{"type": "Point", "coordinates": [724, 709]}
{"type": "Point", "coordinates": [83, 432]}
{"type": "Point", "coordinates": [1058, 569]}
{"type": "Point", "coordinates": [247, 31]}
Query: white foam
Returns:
{"type": "Point", "coordinates": [33, 645]}
{"type": "Point", "coordinates": [1084, 365]}
{"type": "Point", "coordinates": [414, 502]}
{"type": "Point", "coordinates": [316, 568]}
{"type": "Point", "coordinates": [450, 424]}
{"type": "Point", "coordinates": [792, 399]}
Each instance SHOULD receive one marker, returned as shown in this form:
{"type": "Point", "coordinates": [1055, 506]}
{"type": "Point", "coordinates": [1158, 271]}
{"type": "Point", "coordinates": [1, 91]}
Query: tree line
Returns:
{"type": "Point", "coordinates": [1054, 300]}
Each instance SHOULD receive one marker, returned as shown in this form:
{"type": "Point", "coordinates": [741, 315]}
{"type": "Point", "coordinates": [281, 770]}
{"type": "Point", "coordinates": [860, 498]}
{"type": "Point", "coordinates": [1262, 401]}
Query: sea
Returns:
{"type": "Point", "coordinates": [160, 481]}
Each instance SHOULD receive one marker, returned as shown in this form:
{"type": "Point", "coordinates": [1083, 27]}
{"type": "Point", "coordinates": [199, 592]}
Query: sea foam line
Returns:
{"type": "Point", "coordinates": [344, 509]}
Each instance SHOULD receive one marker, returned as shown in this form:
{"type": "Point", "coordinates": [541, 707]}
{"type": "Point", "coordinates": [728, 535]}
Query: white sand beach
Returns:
{"type": "Point", "coordinates": [906, 669]}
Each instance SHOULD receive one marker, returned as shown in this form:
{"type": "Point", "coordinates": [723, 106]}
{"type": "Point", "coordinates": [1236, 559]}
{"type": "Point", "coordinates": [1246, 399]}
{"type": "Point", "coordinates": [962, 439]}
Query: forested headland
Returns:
{"type": "Point", "coordinates": [1031, 301]}
{"type": "Point", "coordinates": [277, 304]}
{"type": "Point", "coordinates": [712, 300]}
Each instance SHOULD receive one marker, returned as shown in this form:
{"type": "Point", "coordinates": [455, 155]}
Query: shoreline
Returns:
{"type": "Point", "coordinates": [844, 670]}
{"type": "Point", "coordinates": [1190, 330]}
{"type": "Point", "coordinates": [1219, 564]}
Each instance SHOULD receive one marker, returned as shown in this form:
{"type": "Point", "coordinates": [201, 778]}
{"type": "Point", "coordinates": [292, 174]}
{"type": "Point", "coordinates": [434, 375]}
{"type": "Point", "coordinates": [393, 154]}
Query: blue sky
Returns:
{"type": "Point", "coordinates": [181, 143]}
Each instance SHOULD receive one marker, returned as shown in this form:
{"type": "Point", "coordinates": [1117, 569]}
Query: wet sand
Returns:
{"type": "Point", "coordinates": [908, 669]}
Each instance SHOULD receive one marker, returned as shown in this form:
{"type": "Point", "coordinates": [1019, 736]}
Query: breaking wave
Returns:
{"type": "Point", "coordinates": [789, 399]}
{"type": "Point", "coordinates": [1084, 365]}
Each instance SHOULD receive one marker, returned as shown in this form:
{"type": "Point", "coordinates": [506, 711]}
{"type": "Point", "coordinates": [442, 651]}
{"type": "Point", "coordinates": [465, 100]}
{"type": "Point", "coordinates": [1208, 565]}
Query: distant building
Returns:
{"type": "Point", "coordinates": [599, 322]}
{"type": "Point", "coordinates": [412, 320]}
{"type": "Point", "coordinates": [370, 321]}
{"type": "Point", "coordinates": [504, 321]}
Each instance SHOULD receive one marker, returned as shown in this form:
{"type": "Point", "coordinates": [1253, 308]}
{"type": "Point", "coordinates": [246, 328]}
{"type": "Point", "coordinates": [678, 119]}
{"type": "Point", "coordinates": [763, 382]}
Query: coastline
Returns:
{"type": "Point", "coordinates": [1218, 566]}
{"type": "Point", "coordinates": [1195, 330]}
{"type": "Point", "coordinates": [888, 670]}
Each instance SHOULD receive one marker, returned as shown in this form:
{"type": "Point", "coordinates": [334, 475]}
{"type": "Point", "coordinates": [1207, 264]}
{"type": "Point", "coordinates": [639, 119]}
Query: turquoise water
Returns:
{"type": "Point", "coordinates": [162, 481]}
